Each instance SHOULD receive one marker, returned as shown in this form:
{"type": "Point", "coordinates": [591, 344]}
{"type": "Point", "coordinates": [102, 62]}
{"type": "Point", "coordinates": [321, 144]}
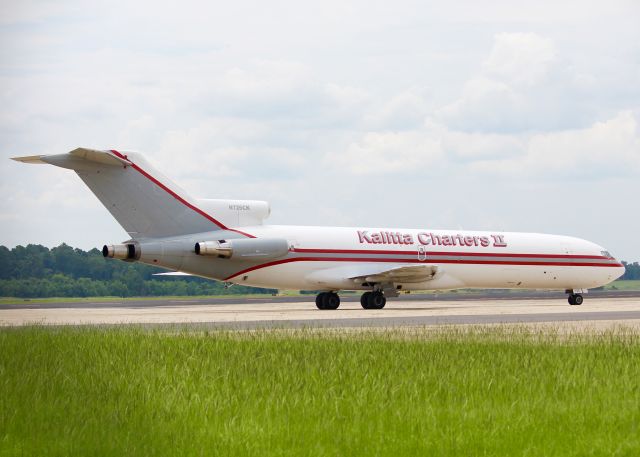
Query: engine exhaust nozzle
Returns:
{"type": "Point", "coordinates": [121, 251]}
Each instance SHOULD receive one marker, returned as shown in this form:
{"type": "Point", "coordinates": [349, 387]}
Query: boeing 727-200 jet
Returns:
{"type": "Point", "coordinates": [227, 240]}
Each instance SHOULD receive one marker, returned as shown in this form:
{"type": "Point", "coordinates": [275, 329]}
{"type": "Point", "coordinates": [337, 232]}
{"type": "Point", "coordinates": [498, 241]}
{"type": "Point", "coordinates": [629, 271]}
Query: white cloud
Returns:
{"type": "Point", "coordinates": [473, 147]}
{"type": "Point", "coordinates": [404, 111]}
{"type": "Point", "coordinates": [485, 104]}
{"type": "Point", "coordinates": [265, 81]}
{"type": "Point", "coordinates": [609, 148]}
{"type": "Point", "coordinates": [390, 152]}
{"type": "Point", "coordinates": [520, 58]}
{"type": "Point", "coordinates": [523, 85]}
{"type": "Point", "coordinates": [600, 151]}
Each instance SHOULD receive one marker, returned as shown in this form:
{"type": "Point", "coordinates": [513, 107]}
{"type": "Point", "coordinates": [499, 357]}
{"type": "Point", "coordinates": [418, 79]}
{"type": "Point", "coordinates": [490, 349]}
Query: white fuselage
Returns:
{"type": "Point", "coordinates": [324, 258]}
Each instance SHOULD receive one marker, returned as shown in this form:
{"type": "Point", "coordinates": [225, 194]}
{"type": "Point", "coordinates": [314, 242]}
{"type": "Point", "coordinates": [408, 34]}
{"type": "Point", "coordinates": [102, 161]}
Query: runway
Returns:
{"type": "Point", "coordinates": [296, 312]}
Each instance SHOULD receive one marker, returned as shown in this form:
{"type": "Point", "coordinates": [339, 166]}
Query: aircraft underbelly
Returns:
{"type": "Point", "coordinates": [296, 276]}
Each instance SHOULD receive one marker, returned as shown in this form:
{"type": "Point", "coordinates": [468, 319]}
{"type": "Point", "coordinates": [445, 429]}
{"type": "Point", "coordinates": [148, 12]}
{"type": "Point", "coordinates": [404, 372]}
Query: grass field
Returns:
{"type": "Point", "coordinates": [126, 391]}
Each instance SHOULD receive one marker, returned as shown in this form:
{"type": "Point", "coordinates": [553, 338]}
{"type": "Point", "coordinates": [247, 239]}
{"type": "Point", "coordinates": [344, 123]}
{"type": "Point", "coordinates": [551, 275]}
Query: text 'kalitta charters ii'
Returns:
{"type": "Point", "coordinates": [431, 239]}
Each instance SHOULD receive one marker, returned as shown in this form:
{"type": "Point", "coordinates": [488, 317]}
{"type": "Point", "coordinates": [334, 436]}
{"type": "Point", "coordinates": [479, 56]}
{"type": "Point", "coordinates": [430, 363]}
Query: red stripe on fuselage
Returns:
{"type": "Point", "coordinates": [445, 253]}
{"type": "Point", "coordinates": [178, 197]}
{"type": "Point", "coordinates": [461, 262]}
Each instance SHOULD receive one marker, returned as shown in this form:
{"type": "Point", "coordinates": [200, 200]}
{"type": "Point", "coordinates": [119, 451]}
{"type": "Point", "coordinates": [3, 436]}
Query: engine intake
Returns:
{"type": "Point", "coordinates": [252, 249]}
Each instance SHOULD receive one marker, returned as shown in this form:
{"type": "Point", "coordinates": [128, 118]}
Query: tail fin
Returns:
{"type": "Point", "coordinates": [143, 201]}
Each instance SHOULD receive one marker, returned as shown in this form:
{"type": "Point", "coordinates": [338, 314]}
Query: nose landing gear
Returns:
{"type": "Point", "coordinates": [575, 299]}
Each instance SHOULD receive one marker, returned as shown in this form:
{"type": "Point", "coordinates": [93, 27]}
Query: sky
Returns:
{"type": "Point", "coordinates": [500, 115]}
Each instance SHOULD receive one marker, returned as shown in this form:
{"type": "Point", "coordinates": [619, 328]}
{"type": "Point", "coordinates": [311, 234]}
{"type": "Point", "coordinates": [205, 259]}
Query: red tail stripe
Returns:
{"type": "Point", "coordinates": [178, 197]}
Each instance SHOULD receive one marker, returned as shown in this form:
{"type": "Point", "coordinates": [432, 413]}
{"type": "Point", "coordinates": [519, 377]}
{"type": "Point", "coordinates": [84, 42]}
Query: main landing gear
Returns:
{"type": "Point", "coordinates": [327, 300]}
{"type": "Point", "coordinates": [575, 299]}
{"type": "Point", "coordinates": [369, 300]}
{"type": "Point", "coordinates": [373, 300]}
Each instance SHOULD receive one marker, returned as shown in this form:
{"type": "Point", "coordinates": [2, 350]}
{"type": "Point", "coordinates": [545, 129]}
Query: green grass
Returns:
{"type": "Point", "coordinates": [126, 391]}
{"type": "Point", "coordinates": [628, 284]}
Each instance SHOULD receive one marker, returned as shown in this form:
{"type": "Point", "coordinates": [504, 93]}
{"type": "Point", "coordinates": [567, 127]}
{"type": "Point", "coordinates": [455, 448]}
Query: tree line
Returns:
{"type": "Point", "coordinates": [632, 270]}
{"type": "Point", "coordinates": [36, 271]}
{"type": "Point", "coordinates": [63, 271]}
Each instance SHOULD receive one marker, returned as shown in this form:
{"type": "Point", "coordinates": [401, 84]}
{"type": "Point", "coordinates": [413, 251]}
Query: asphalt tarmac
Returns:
{"type": "Point", "coordinates": [345, 298]}
{"type": "Point", "coordinates": [600, 307]}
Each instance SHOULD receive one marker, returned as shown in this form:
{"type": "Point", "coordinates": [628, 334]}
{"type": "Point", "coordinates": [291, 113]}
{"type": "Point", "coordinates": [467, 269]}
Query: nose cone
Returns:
{"type": "Point", "coordinates": [618, 271]}
{"type": "Point", "coordinates": [615, 267]}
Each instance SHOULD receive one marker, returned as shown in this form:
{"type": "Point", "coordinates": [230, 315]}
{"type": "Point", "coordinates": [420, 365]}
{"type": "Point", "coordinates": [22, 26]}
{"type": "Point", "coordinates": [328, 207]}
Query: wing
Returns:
{"type": "Point", "coordinates": [346, 276]}
{"type": "Point", "coordinates": [173, 273]}
{"type": "Point", "coordinates": [406, 274]}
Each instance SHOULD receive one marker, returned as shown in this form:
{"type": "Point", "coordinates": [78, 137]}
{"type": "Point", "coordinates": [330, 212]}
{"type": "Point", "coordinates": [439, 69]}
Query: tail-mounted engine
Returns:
{"type": "Point", "coordinates": [176, 252]}
{"type": "Point", "coordinates": [128, 251]}
{"type": "Point", "coordinates": [244, 249]}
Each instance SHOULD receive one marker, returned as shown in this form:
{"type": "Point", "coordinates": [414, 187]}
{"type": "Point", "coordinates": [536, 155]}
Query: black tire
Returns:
{"type": "Point", "coordinates": [577, 299]}
{"type": "Point", "coordinates": [376, 300]}
{"type": "Point", "coordinates": [572, 299]}
{"type": "Point", "coordinates": [364, 300]}
{"type": "Point", "coordinates": [320, 300]}
{"type": "Point", "coordinates": [331, 301]}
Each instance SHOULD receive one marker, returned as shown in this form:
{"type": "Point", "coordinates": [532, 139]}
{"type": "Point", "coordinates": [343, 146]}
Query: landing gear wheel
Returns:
{"type": "Point", "coordinates": [373, 300]}
{"type": "Point", "coordinates": [377, 300]}
{"type": "Point", "coordinates": [575, 299]}
{"type": "Point", "coordinates": [327, 300]}
{"type": "Point", "coordinates": [331, 301]}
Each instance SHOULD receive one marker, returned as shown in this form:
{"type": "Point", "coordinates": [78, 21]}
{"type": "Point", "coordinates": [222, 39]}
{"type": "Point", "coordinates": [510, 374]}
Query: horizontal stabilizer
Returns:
{"type": "Point", "coordinates": [105, 157]}
{"type": "Point", "coordinates": [76, 159]}
{"type": "Point", "coordinates": [29, 159]}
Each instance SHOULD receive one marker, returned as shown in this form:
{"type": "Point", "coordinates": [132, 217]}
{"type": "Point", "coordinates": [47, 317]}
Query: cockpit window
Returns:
{"type": "Point", "coordinates": [606, 254]}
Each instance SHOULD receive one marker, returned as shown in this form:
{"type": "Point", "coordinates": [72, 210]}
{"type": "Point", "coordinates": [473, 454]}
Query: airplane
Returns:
{"type": "Point", "coordinates": [227, 240]}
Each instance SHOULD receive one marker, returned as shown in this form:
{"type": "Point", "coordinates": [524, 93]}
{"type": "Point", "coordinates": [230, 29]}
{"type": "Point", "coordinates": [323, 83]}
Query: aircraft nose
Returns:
{"type": "Point", "coordinates": [617, 268]}
{"type": "Point", "coordinates": [619, 271]}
